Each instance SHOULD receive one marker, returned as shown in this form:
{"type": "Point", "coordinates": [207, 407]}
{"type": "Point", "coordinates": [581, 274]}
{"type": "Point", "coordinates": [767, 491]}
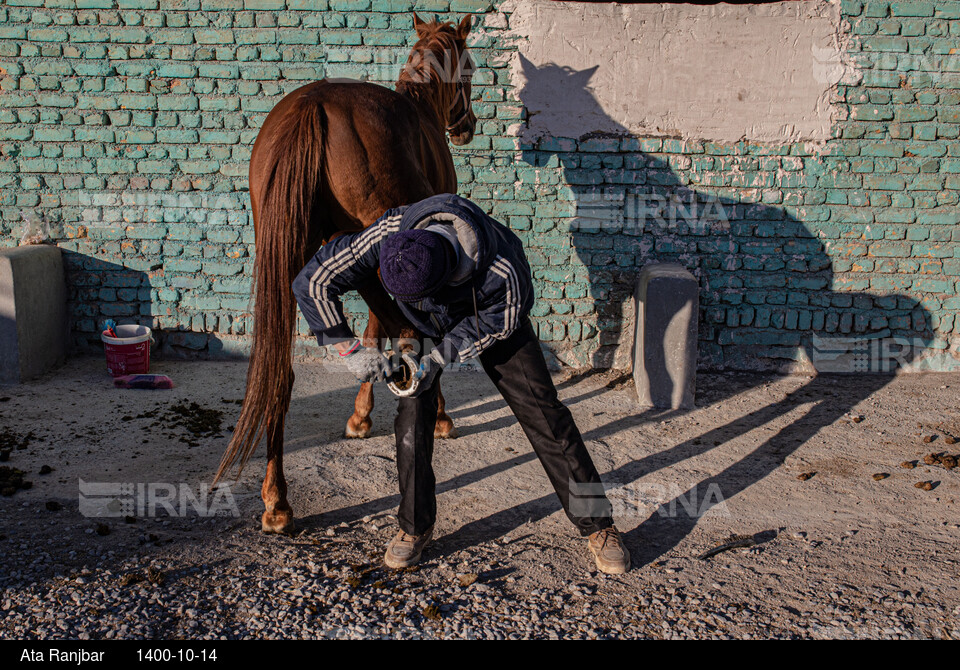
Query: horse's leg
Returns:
{"type": "Point", "coordinates": [390, 322]}
{"type": "Point", "coordinates": [278, 517]}
{"type": "Point", "coordinates": [359, 424]}
{"type": "Point", "coordinates": [444, 428]}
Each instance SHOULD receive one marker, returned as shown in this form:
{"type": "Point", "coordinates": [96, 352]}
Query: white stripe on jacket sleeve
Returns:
{"type": "Point", "coordinates": [330, 268]}
{"type": "Point", "coordinates": [503, 268]}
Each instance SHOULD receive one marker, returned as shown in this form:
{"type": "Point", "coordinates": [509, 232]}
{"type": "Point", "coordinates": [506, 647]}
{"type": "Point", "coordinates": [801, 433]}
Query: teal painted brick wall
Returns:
{"type": "Point", "coordinates": [130, 124]}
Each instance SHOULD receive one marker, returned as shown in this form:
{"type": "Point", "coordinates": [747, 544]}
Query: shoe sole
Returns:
{"type": "Point", "coordinates": [413, 560]}
{"type": "Point", "coordinates": [608, 569]}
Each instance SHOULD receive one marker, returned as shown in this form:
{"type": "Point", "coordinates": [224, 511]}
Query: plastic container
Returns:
{"type": "Point", "coordinates": [129, 352]}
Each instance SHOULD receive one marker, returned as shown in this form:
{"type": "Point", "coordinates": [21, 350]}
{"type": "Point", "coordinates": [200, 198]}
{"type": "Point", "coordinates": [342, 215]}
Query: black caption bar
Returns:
{"type": "Point", "coordinates": [95, 652]}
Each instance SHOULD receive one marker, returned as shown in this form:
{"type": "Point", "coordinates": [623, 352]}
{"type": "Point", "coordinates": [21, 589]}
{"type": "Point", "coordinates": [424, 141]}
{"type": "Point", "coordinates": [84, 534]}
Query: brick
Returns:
{"type": "Point", "coordinates": [913, 8]}
{"type": "Point", "coordinates": [138, 4]}
{"type": "Point", "coordinates": [199, 167]}
{"type": "Point", "coordinates": [47, 35]}
{"type": "Point", "coordinates": [219, 71]}
{"type": "Point", "coordinates": [214, 36]}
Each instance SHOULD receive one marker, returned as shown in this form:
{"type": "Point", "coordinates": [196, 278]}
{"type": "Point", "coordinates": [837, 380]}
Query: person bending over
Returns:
{"type": "Point", "coordinates": [462, 279]}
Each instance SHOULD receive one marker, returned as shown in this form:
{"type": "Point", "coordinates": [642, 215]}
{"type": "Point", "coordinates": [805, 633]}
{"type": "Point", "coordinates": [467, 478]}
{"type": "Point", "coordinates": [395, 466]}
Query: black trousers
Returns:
{"type": "Point", "coordinates": [519, 371]}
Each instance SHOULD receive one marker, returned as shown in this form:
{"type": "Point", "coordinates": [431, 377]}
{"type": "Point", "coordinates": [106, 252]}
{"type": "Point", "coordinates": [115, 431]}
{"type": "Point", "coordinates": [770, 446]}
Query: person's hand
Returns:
{"type": "Point", "coordinates": [367, 364]}
{"type": "Point", "coordinates": [426, 374]}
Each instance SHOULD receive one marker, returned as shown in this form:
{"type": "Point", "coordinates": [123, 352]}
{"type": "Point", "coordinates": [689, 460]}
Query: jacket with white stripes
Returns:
{"type": "Point", "coordinates": [464, 317]}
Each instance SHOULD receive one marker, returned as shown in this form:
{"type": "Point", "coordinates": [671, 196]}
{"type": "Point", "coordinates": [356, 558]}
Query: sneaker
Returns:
{"type": "Point", "coordinates": [404, 550]}
{"type": "Point", "coordinates": [607, 547]}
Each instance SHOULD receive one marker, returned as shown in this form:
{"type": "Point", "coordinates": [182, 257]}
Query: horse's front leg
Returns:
{"type": "Point", "coordinates": [444, 428]}
{"type": "Point", "coordinates": [389, 322]}
{"type": "Point", "coordinates": [359, 423]}
{"type": "Point", "coordinates": [278, 516]}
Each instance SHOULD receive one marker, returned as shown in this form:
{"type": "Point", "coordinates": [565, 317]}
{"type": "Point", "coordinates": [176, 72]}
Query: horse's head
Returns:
{"type": "Point", "coordinates": [441, 58]}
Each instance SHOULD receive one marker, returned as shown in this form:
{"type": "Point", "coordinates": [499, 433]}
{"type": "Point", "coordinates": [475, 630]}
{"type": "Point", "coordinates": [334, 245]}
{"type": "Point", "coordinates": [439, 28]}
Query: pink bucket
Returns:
{"type": "Point", "coordinates": [129, 352]}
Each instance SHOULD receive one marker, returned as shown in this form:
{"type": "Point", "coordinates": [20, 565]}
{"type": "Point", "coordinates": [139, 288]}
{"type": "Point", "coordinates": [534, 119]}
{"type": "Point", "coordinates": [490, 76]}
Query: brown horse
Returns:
{"type": "Point", "coordinates": [330, 158]}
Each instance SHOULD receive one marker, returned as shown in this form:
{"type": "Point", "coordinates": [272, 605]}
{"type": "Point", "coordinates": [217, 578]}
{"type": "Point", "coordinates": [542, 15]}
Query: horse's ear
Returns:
{"type": "Point", "coordinates": [464, 28]}
{"type": "Point", "coordinates": [419, 25]}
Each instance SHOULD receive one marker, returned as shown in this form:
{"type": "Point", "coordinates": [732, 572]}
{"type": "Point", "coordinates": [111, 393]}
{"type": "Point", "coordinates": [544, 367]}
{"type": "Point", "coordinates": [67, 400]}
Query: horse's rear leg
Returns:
{"type": "Point", "coordinates": [278, 517]}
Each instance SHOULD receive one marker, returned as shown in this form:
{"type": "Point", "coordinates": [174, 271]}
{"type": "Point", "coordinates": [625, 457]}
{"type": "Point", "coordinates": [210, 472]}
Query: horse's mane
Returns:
{"type": "Point", "coordinates": [419, 77]}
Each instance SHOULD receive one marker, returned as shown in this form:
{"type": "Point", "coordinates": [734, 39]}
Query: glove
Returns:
{"type": "Point", "coordinates": [368, 364]}
{"type": "Point", "coordinates": [426, 374]}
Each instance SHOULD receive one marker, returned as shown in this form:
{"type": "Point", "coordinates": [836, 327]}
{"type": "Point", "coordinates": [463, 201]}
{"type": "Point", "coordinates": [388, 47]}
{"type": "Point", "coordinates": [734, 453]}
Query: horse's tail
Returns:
{"type": "Point", "coordinates": [287, 187]}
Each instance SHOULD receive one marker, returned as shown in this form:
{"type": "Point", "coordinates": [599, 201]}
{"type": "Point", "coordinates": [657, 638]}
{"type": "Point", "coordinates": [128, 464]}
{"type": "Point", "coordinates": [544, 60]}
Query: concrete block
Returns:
{"type": "Point", "coordinates": [34, 328]}
{"type": "Point", "coordinates": [666, 305]}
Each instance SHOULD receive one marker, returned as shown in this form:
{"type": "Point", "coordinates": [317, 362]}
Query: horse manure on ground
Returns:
{"type": "Point", "coordinates": [131, 578]}
{"type": "Point", "coordinates": [947, 461]}
{"type": "Point", "coordinates": [190, 417]}
{"type": "Point", "coordinates": [10, 440]}
{"type": "Point", "coordinates": [197, 420]}
{"type": "Point", "coordinates": [11, 481]}
{"type": "Point", "coordinates": [155, 576]}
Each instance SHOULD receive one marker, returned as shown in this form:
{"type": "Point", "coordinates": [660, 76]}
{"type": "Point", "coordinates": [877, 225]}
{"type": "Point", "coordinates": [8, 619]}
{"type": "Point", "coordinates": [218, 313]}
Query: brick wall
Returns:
{"type": "Point", "coordinates": [130, 123]}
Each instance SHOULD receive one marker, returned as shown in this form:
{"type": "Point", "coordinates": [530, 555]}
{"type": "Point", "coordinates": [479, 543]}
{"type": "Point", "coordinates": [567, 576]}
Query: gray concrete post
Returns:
{"type": "Point", "coordinates": [666, 308]}
{"type": "Point", "coordinates": [34, 328]}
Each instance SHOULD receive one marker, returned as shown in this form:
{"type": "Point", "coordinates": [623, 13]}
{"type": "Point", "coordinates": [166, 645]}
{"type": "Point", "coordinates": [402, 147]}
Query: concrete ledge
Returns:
{"type": "Point", "coordinates": [34, 328]}
{"type": "Point", "coordinates": [667, 308]}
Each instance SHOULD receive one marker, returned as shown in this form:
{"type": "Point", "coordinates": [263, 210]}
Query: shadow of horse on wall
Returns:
{"type": "Point", "coordinates": [767, 283]}
{"type": "Point", "coordinates": [769, 292]}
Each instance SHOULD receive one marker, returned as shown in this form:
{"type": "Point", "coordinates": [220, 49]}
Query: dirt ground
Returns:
{"type": "Point", "coordinates": [792, 467]}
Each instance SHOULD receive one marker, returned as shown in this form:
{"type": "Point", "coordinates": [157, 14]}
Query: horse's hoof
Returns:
{"type": "Point", "coordinates": [445, 431]}
{"type": "Point", "coordinates": [278, 522]}
{"type": "Point", "coordinates": [358, 430]}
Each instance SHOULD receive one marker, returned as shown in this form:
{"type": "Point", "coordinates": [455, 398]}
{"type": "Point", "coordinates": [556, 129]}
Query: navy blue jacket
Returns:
{"type": "Point", "coordinates": [501, 279]}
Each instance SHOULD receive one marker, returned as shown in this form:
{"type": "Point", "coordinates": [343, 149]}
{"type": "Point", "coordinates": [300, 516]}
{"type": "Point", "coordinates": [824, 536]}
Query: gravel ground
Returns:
{"type": "Point", "coordinates": [784, 465]}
